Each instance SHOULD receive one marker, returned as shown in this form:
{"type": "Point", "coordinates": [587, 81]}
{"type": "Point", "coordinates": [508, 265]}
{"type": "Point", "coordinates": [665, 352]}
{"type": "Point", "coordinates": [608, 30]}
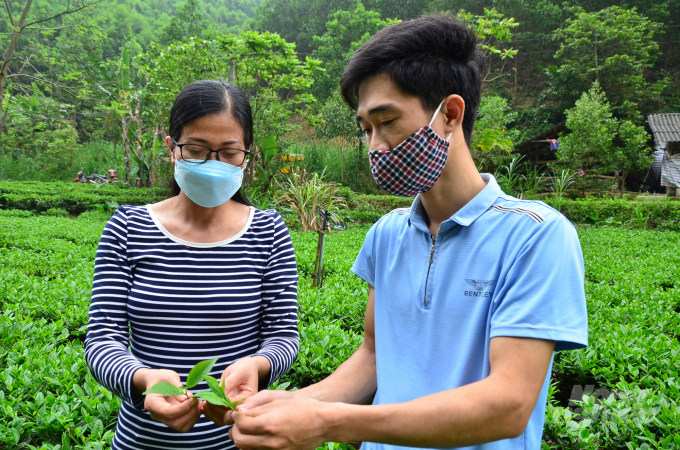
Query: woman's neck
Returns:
{"type": "Point", "coordinates": [186, 220]}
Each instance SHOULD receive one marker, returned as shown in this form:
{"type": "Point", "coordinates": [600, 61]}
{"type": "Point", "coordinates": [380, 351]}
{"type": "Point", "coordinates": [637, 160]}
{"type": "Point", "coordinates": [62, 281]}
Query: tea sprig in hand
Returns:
{"type": "Point", "coordinates": [199, 373]}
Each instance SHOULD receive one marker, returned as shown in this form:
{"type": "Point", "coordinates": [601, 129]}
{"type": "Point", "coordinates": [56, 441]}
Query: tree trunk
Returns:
{"type": "Point", "coordinates": [342, 166]}
{"type": "Point", "coordinates": [232, 71]}
{"type": "Point", "coordinates": [624, 175]}
{"type": "Point", "coordinates": [126, 147]}
{"type": "Point", "coordinates": [155, 158]}
{"type": "Point", "coordinates": [7, 57]}
{"type": "Point", "coordinates": [516, 57]}
{"type": "Point", "coordinates": [140, 152]}
{"type": "Point", "coordinates": [597, 66]}
{"type": "Point", "coordinates": [4, 116]}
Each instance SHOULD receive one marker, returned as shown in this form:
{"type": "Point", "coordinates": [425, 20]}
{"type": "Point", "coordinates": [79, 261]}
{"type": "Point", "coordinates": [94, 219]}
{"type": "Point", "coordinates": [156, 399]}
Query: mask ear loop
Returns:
{"type": "Point", "coordinates": [435, 115]}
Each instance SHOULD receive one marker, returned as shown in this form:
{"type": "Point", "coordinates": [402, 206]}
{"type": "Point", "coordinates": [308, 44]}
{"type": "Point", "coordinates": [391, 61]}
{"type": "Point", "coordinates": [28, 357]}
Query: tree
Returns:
{"type": "Point", "coordinates": [189, 21]}
{"type": "Point", "coordinates": [263, 65]}
{"type": "Point", "coordinates": [589, 145]}
{"type": "Point", "coordinates": [18, 27]}
{"type": "Point", "coordinates": [400, 9]}
{"type": "Point", "coordinates": [346, 31]}
{"type": "Point", "coordinates": [615, 47]}
{"type": "Point", "coordinates": [492, 142]}
{"type": "Point", "coordinates": [633, 154]}
{"type": "Point", "coordinates": [492, 28]}
{"type": "Point", "coordinates": [298, 21]}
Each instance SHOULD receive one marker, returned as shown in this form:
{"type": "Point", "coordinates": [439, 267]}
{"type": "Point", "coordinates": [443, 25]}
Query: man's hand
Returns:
{"type": "Point", "coordinates": [239, 380]}
{"type": "Point", "coordinates": [289, 424]}
{"type": "Point", "coordinates": [176, 411]}
{"type": "Point", "coordinates": [264, 397]}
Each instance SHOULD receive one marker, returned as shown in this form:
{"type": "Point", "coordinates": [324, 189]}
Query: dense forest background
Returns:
{"type": "Point", "coordinates": [81, 79]}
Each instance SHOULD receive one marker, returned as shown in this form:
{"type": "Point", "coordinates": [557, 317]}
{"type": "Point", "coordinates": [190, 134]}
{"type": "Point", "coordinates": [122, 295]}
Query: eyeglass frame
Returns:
{"type": "Point", "coordinates": [210, 152]}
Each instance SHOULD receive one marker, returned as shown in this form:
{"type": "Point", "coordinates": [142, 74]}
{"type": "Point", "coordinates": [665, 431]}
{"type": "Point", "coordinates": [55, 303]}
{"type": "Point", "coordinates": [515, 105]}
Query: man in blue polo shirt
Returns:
{"type": "Point", "coordinates": [470, 290]}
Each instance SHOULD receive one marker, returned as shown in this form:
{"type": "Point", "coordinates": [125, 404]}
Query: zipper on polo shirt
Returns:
{"type": "Point", "coordinates": [429, 267]}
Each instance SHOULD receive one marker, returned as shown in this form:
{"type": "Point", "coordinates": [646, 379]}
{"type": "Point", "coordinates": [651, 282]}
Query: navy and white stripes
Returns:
{"type": "Point", "coordinates": [175, 303]}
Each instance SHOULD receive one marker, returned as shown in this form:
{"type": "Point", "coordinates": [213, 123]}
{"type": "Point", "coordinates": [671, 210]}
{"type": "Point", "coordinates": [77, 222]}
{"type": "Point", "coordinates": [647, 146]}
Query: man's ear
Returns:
{"type": "Point", "coordinates": [454, 110]}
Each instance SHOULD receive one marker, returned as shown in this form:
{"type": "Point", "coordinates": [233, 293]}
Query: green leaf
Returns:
{"type": "Point", "coordinates": [268, 155]}
{"type": "Point", "coordinates": [215, 387]}
{"type": "Point", "coordinates": [199, 372]}
{"type": "Point", "coordinates": [212, 398]}
{"type": "Point", "coordinates": [268, 142]}
{"type": "Point", "coordinates": [164, 388]}
{"type": "Point", "coordinates": [585, 433]}
{"type": "Point", "coordinates": [97, 427]}
{"type": "Point", "coordinates": [232, 405]}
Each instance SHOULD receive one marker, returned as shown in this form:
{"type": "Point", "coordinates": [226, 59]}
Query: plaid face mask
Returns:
{"type": "Point", "coordinates": [413, 166]}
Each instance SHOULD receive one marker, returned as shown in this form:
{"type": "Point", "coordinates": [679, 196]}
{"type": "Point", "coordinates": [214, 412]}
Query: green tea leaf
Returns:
{"type": "Point", "coordinates": [199, 372]}
{"type": "Point", "coordinates": [212, 398]}
{"type": "Point", "coordinates": [215, 387]}
{"type": "Point", "coordinates": [164, 388]}
{"type": "Point", "coordinates": [232, 405]}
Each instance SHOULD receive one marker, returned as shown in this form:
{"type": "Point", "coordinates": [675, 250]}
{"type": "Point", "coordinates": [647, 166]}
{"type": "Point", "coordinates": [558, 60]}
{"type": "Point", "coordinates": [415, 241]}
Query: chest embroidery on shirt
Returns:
{"type": "Point", "coordinates": [480, 286]}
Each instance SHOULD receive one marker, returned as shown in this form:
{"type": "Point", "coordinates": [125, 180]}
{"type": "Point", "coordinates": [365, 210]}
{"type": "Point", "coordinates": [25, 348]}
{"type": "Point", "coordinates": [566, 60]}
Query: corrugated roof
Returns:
{"type": "Point", "coordinates": [665, 127]}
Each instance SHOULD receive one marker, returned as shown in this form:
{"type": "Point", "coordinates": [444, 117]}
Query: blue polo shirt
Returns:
{"type": "Point", "coordinates": [500, 266]}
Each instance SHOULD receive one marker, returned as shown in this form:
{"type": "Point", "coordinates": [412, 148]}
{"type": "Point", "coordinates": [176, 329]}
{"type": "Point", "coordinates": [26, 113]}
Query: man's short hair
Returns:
{"type": "Point", "coordinates": [430, 58]}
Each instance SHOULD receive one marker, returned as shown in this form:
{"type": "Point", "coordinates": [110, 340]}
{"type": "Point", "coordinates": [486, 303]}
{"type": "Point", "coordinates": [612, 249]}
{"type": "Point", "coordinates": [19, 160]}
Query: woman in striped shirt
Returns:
{"type": "Point", "coordinates": [198, 276]}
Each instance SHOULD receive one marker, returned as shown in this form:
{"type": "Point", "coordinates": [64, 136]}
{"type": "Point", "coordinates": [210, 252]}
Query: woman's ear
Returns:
{"type": "Point", "coordinates": [169, 142]}
{"type": "Point", "coordinates": [247, 160]}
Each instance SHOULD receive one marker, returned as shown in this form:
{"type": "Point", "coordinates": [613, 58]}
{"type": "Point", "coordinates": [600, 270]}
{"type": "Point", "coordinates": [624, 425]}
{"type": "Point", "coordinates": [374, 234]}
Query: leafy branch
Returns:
{"type": "Point", "coordinates": [200, 372]}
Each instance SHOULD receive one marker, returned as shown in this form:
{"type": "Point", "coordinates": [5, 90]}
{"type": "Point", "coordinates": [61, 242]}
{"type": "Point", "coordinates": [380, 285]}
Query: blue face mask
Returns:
{"type": "Point", "coordinates": [210, 183]}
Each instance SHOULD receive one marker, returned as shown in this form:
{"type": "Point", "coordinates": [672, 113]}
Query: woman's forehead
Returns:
{"type": "Point", "coordinates": [220, 127]}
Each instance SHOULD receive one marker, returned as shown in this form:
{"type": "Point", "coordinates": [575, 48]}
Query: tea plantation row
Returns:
{"type": "Point", "coordinates": [62, 198]}
{"type": "Point", "coordinates": [48, 400]}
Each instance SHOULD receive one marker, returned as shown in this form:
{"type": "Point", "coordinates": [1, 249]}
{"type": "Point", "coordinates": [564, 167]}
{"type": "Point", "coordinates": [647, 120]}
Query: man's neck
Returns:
{"type": "Point", "coordinates": [459, 183]}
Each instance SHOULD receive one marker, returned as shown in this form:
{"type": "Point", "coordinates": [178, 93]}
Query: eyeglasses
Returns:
{"type": "Point", "coordinates": [233, 156]}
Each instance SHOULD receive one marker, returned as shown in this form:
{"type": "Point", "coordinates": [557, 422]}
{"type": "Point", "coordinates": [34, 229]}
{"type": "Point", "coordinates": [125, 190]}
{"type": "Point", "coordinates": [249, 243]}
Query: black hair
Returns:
{"type": "Point", "coordinates": [207, 97]}
{"type": "Point", "coordinates": [430, 58]}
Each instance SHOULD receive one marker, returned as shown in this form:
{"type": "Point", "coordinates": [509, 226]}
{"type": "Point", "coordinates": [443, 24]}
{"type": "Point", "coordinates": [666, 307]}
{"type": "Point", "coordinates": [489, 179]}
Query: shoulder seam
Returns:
{"type": "Point", "coordinates": [400, 211]}
{"type": "Point", "coordinates": [533, 215]}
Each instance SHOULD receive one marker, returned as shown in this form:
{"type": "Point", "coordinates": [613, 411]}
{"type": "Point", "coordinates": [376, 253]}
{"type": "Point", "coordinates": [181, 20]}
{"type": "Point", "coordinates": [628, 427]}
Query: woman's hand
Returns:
{"type": "Point", "coordinates": [239, 380]}
{"type": "Point", "coordinates": [176, 411]}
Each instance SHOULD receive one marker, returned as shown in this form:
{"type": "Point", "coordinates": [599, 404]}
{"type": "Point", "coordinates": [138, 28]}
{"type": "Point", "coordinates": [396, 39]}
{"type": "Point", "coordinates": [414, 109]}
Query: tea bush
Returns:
{"type": "Point", "coordinates": [73, 197]}
{"type": "Point", "coordinates": [48, 399]}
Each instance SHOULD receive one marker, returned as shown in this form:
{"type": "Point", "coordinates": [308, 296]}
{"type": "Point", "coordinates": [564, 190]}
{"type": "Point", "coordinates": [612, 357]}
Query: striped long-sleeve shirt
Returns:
{"type": "Point", "coordinates": [164, 303]}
